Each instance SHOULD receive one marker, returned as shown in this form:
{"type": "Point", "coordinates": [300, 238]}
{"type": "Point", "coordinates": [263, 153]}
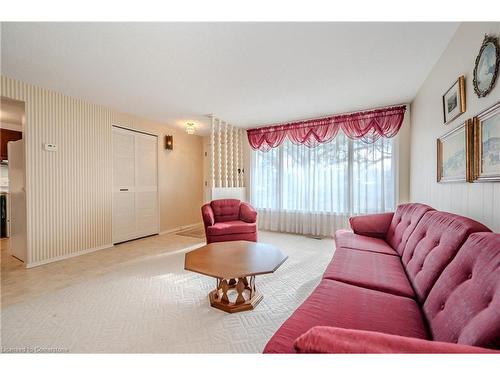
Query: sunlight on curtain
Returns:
{"type": "Point", "coordinates": [314, 190]}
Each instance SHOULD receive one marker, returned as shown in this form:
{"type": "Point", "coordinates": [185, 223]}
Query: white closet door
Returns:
{"type": "Point", "coordinates": [135, 188]}
{"type": "Point", "coordinates": [146, 187]}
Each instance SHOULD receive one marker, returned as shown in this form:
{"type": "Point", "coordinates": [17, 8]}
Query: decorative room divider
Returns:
{"type": "Point", "coordinates": [226, 160]}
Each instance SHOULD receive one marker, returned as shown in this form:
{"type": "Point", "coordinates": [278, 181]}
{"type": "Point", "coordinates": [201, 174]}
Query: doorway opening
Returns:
{"type": "Point", "coordinates": [12, 181]}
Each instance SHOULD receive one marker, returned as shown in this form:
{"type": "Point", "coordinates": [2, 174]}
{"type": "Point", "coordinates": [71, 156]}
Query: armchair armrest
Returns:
{"type": "Point", "coordinates": [208, 215]}
{"type": "Point", "coordinates": [375, 225]}
{"type": "Point", "coordinates": [339, 340]}
{"type": "Point", "coordinates": [247, 213]}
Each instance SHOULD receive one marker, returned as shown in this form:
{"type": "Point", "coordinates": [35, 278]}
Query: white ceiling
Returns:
{"type": "Point", "coordinates": [249, 74]}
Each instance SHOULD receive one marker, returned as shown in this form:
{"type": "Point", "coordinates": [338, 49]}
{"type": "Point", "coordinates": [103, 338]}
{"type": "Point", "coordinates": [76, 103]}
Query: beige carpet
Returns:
{"type": "Point", "coordinates": [155, 306]}
{"type": "Point", "coordinates": [198, 232]}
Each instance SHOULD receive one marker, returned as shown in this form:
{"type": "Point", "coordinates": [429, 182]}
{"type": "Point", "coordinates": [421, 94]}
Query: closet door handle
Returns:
{"type": "Point", "coordinates": [123, 189]}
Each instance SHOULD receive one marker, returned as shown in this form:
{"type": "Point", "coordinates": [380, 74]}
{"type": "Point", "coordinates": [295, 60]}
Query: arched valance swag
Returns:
{"type": "Point", "coordinates": [367, 126]}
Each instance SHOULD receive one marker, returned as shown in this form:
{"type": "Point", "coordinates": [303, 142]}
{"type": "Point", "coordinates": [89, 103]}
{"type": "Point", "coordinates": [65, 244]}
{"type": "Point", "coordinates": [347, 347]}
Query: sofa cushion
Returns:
{"type": "Point", "coordinates": [226, 209]}
{"type": "Point", "coordinates": [464, 304]}
{"type": "Point", "coordinates": [347, 239]}
{"type": "Point", "coordinates": [403, 223]}
{"type": "Point", "coordinates": [432, 245]}
{"type": "Point", "coordinates": [339, 340]}
{"type": "Point", "coordinates": [369, 270]}
{"type": "Point", "coordinates": [231, 227]}
{"type": "Point", "coordinates": [337, 304]}
{"type": "Point", "coordinates": [372, 225]}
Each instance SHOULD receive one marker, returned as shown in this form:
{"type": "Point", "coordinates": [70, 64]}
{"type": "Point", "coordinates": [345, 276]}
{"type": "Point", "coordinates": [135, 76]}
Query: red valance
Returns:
{"type": "Point", "coordinates": [367, 126]}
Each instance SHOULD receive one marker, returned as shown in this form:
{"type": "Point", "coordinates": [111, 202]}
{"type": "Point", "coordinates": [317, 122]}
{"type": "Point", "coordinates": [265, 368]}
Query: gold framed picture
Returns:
{"type": "Point", "coordinates": [453, 154]}
{"type": "Point", "coordinates": [454, 100]}
{"type": "Point", "coordinates": [487, 145]}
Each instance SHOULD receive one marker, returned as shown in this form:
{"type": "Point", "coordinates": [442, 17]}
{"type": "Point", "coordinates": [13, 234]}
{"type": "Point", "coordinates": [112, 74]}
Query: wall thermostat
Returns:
{"type": "Point", "coordinates": [50, 147]}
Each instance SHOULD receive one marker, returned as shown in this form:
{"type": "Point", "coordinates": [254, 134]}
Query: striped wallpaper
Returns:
{"type": "Point", "coordinates": [68, 192]}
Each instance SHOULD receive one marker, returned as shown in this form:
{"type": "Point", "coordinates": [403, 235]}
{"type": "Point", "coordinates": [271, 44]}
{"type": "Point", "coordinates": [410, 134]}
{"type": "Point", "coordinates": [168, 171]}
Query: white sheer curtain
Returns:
{"type": "Point", "coordinates": [314, 190]}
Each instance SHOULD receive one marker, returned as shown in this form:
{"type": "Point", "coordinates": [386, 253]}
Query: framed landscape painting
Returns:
{"type": "Point", "coordinates": [487, 145]}
{"type": "Point", "coordinates": [453, 150]}
{"type": "Point", "coordinates": [454, 100]}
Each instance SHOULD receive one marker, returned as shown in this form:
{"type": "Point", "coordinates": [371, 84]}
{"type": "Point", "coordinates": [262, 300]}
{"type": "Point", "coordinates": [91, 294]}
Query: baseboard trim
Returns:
{"type": "Point", "coordinates": [67, 256]}
{"type": "Point", "coordinates": [180, 228]}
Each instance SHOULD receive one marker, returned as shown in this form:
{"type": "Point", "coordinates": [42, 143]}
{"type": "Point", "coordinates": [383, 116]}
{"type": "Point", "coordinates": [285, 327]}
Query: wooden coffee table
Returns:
{"type": "Point", "coordinates": [234, 264]}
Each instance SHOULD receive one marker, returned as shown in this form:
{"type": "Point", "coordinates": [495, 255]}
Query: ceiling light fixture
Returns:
{"type": "Point", "coordinates": [190, 129]}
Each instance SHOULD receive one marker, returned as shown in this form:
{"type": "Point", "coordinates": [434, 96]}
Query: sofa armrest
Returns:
{"type": "Point", "coordinates": [247, 213]}
{"type": "Point", "coordinates": [208, 215]}
{"type": "Point", "coordinates": [375, 225]}
{"type": "Point", "coordinates": [339, 340]}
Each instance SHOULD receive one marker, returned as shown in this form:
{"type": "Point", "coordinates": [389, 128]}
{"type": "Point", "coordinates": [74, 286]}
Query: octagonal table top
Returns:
{"type": "Point", "coordinates": [233, 259]}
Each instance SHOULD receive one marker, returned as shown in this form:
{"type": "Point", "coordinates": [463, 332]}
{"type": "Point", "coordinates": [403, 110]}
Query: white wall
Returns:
{"type": "Point", "coordinates": [402, 148]}
{"type": "Point", "coordinates": [480, 201]}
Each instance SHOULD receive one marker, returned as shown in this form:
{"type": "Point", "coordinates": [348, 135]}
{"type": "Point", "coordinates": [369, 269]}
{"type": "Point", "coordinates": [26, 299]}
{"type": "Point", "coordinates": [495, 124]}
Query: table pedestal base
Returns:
{"type": "Point", "coordinates": [244, 291]}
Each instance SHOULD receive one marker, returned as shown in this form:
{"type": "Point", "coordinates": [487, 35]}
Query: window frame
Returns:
{"type": "Point", "coordinates": [348, 199]}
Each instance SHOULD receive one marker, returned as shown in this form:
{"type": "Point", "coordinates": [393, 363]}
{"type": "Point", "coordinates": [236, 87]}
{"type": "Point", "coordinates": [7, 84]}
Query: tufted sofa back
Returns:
{"type": "Point", "coordinates": [464, 304]}
{"type": "Point", "coordinates": [432, 245]}
{"type": "Point", "coordinates": [226, 209]}
{"type": "Point", "coordinates": [403, 223]}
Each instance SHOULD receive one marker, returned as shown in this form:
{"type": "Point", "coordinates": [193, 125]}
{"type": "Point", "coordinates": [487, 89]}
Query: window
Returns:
{"type": "Point", "coordinates": [339, 178]}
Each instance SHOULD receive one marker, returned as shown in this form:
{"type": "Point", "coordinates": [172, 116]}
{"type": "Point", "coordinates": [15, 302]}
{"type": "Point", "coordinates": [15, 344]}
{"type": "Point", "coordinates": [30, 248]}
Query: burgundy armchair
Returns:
{"type": "Point", "coordinates": [229, 220]}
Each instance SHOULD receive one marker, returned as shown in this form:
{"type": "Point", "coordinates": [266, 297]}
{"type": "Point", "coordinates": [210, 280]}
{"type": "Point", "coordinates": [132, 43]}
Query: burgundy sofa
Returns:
{"type": "Point", "coordinates": [229, 220]}
{"type": "Point", "coordinates": [414, 281]}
